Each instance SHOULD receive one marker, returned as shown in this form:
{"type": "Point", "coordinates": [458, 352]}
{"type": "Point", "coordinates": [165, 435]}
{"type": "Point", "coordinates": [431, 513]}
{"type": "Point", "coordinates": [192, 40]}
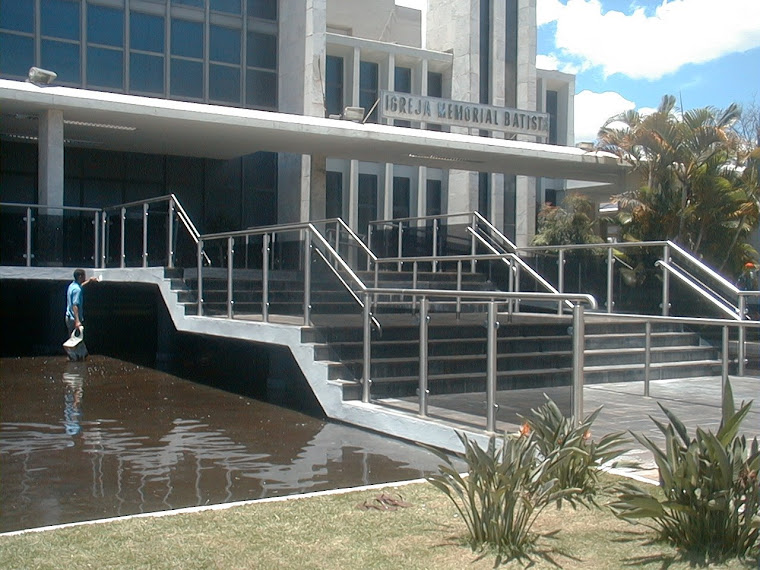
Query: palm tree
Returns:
{"type": "Point", "coordinates": [692, 190]}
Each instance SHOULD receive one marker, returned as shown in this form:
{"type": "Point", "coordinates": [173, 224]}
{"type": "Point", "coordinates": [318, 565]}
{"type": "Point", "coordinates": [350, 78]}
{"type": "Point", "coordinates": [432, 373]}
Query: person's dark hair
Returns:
{"type": "Point", "coordinates": [78, 273]}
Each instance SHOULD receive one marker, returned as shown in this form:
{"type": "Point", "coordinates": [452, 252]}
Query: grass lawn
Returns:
{"type": "Point", "coordinates": [331, 532]}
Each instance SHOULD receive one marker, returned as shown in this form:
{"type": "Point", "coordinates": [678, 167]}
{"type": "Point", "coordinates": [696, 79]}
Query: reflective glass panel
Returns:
{"type": "Point", "coordinates": [196, 3]}
{"type": "Point", "coordinates": [261, 89]}
{"type": "Point", "coordinates": [187, 78]}
{"type": "Point", "coordinates": [225, 45]}
{"type": "Point", "coordinates": [105, 25]}
{"type": "Point", "coordinates": [17, 15]}
{"type": "Point", "coordinates": [262, 50]}
{"type": "Point", "coordinates": [334, 86]}
{"type": "Point", "coordinates": [105, 67]}
{"type": "Point", "coordinates": [402, 80]}
{"type": "Point", "coordinates": [146, 73]}
{"type": "Point", "coordinates": [187, 38]}
{"type": "Point", "coordinates": [224, 83]}
{"type": "Point", "coordinates": [265, 9]}
{"type": "Point", "coordinates": [16, 54]}
{"type": "Point", "coordinates": [229, 6]}
{"type": "Point", "coordinates": [146, 32]}
{"type": "Point", "coordinates": [63, 58]}
{"type": "Point", "coordinates": [60, 18]}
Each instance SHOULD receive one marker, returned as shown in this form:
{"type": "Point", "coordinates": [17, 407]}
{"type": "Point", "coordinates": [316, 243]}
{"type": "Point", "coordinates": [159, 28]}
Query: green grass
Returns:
{"type": "Point", "coordinates": [330, 532]}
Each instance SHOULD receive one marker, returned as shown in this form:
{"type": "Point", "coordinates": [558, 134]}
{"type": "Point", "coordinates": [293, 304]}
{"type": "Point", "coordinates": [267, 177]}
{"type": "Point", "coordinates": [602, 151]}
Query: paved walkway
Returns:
{"type": "Point", "coordinates": [695, 401]}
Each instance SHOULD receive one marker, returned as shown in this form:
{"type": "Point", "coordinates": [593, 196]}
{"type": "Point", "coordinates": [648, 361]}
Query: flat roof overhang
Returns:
{"type": "Point", "coordinates": [160, 126]}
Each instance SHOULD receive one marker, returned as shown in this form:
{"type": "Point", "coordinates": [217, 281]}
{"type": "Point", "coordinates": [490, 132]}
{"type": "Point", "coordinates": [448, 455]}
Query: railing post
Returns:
{"type": "Point", "coordinates": [230, 262]}
{"type": "Point", "coordinates": [647, 356]}
{"type": "Point", "coordinates": [369, 244]}
{"type": "Point", "coordinates": [435, 244]}
{"type": "Point", "coordinates": [200, 277]}
{"type": "Point", "coordinates": [122, 254]}
{"type": "Point", "coordinates": [459, 285]}
{"type": "Point", "coordinates": [103, 241]}
{"type": "Point", "coordinates": [400, 248]}
{"type": "Point", "coordinates": [742, 337]}
{"type": "Point", "coordinates": [517, 286]}
{"type": "Point", "coordinates": [423, 388]}
{"type": "Point", "coordinates": [724, 366]}
{"type": "Point", "coordinates": [414, 285]}
{"type": "Point", "coordinates": [170, 235]}
{"type": "Point", "coordinates": [307, 279]}
{"type": "Point", "coordinates": [28, 237]}
{"type": "Point", "coordinates": [579, 338]}
{"type": "Point", "coordinates": [96, 243]}
{"type": "Point", "coordinates": [473, 247]}
{"type": "Point", "coordinates": [265, 279]}
{"type": "Point", "coordinates": [145, 236]}
{"type": "Point", "coordinates": [367, 349]}
{"type": "Point", "coordinates": [491, 369]}
{"type": "Point", "coordinates": [610, 275]}
{"type": "Point", "coordinates": [666, 282]}
{"type": "Point", "coordinates": [561, 271]}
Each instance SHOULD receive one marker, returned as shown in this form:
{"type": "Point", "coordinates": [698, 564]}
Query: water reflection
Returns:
{"type": "Point", "coordinates": [148, 441]}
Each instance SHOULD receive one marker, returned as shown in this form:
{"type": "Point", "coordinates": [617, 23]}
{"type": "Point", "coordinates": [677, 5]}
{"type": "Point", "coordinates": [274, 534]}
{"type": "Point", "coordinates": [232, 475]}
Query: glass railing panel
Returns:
{"type": "Point", "coordinates": [12, 236]}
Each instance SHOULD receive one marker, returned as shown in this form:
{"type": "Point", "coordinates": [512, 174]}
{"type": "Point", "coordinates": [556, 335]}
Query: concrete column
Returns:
{"type": "Point", "coordinates": [525, 210]}
{"type": "Point", "coordinates": [50, 141]}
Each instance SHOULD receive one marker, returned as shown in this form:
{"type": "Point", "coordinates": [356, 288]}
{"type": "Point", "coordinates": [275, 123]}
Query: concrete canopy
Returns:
{"type": "Point", "coordinates": [111, 121]}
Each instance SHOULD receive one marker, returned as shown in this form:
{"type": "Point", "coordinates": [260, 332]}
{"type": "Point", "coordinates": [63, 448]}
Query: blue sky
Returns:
{"type": "Point", "coordinates": [629, 53]}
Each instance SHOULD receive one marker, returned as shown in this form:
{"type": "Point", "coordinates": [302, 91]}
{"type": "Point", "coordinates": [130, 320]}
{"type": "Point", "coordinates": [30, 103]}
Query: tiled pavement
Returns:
{"type": "Point", "coordinates": [695, 401]}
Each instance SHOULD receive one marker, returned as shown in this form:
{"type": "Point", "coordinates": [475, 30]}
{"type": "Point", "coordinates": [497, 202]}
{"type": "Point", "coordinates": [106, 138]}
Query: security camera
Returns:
{"type": "Point", "coordinates": [40, 76]}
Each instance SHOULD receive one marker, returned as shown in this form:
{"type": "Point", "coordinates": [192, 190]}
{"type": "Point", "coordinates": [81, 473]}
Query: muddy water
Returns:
{"type": "Point", "coordinates": [104, 438]}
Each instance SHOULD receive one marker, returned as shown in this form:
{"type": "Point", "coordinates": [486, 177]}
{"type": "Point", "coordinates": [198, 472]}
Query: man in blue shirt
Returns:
{"type": "Point", "coordinates": [74, 312]}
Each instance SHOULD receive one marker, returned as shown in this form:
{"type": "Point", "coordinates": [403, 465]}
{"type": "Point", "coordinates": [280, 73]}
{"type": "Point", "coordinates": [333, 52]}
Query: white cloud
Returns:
{"type": "Point", "coordinates": [593, 109]}
{"type": "Point", "coordinates": [547, 62]}
{"type": "Point", "coordinates": [651, 44]}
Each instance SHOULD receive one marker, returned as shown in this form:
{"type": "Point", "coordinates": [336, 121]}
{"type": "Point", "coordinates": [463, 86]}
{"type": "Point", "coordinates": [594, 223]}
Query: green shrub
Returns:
{"type": "Point", "coordinates": [710, 485]}
{"type": "Point", "coordinates": [504, 491]}
{"type": "Point", "coordinates": [554, 432]}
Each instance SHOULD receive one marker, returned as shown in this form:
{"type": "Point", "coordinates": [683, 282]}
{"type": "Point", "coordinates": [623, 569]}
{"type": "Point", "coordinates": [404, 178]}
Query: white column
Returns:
{"type": "Point", "coordinates": [50, 172]}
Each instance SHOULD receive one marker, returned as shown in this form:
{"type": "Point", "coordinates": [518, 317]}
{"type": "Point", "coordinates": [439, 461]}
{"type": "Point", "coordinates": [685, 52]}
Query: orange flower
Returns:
{"type": "Point", "coordinates": [524, 429]}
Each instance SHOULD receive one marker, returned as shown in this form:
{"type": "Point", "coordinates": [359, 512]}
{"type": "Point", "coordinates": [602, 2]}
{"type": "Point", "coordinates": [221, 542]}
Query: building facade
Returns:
{"type": "Point", "coordinates": [311, 58]}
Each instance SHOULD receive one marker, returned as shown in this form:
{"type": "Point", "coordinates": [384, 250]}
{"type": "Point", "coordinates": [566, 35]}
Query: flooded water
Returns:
{"type": "Point", "coordinates": [103, 438]}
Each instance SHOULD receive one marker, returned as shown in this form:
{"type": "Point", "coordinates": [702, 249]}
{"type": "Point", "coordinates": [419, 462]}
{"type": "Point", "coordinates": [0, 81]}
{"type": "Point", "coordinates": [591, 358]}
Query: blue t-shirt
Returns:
{"type": "Point", "coordinates": [74, 297]}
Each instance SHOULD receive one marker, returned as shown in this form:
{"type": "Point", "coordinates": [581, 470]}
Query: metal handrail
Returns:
{"type": "Point", "coordinates": [494, 230]}
{"type": "Point", "coordinates": [701, 291]}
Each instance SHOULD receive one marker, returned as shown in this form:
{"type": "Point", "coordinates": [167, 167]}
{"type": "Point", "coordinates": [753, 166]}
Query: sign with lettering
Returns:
{"type": "Point", "coordinates": [408, 107]}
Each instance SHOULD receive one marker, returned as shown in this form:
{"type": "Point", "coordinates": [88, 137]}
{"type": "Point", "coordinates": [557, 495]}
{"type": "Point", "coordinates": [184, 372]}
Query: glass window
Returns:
{"type": "Point", "coordinates": [105, 67]}
{"type": "Point", "coordinates": [224, 83]}
{"type": "Point", "coordinates": [334, 87]}
{"type": "Point", "coordinates": [187, 78]}
{"type": "Point", "coordinates": [105, 26]}
{"type": "Point", "coordinates": [16, 54]}
{"type": "Point", "coordinates": [146, 32]}
{"type": "Point", "coordinates": [60, 19]}
{"type": "Point", "coordinates": [195, 3]}
{"type": "Point", "coordinates": [433, 198]}
{"type": "Point", "coordinates": [265, 9]}
{"type": "Point", "coordinates": [261, 89]}
{"type": "Point", "coordinates": [17, 15]}
{"type": "Point", "coordinates": [229, 6]}
{"type": "Point", "coordinates": [225, 45]}
{"type": "Point", "coordinates": [334, 198]}
{"type": "Point", "coordinates": [187, 38]}
{"type": "Point", "coordinates": [367, 201]}
{"type": "Point", "coordinates": [63, 58]}
{"type": "Point", "coordinates": [402, 80]}
{"type": "Point", "coordinates": [435, 84]}
{"type": "Point", "coordinates": [146, 73]}
{"type": "Point", "coordinates": [401, 196]}
{"type": "Point", "coordinates": [551, 109]}
{"type": "Point", "coordinates": [262, 50]}
{"type": "Point", "coordinates": [368, 88]}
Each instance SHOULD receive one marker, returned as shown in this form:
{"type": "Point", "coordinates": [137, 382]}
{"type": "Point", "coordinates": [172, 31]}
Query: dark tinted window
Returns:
{"type": "Point", "coordinates": [195, 3]}
{"type": "Point", "coordinates": [146, 73]}
{"type": "Point", "coordinates": [367, 201]}
{"type": "Point", "coordinates": [225, 45]}
{"type": "Point", "coordinates": [261, 89]}
{"type": "Point", "coordinates": [435, 84]}
{"type": "Point", "coordinates": [262, 50]}
{"type": "Point", "coordinates": [187, 78]}
{"type": "Point", "coordinates": [229, 6]}
{"type": "Point", "coordinates": [433, 198]}
{"type": "Point", "coordinates": [16, 54]}
{"type": "Point", "coordinates": [368, 88]}
{"type": "Point", "coordinates": [334, 87]}
{"type": "Point", "coordinates": [17, 15]}
{"type": "Point", "coordinates": [105, 25]}
{"type": "Point", "coordinates": [266, 9]}
{"type": "Point", "coordinates": [105, 67]}
{"type": "Point", "coordinates": [63, 58]}
{"type": "Point", "coordinates": [334, 198]}
{"type": "Point", "coordinates": [187, 38]}
{"type": "Point", "coordinates": [224, 83]}
{"type": "Point", "coordinates": [401, 195]}
{"type": "Point", "coordinates": [402, 80]}
{"type": "Point", "coordinates": [60, 18]}
{"type": "Point", "coordinates": [146, 32]}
